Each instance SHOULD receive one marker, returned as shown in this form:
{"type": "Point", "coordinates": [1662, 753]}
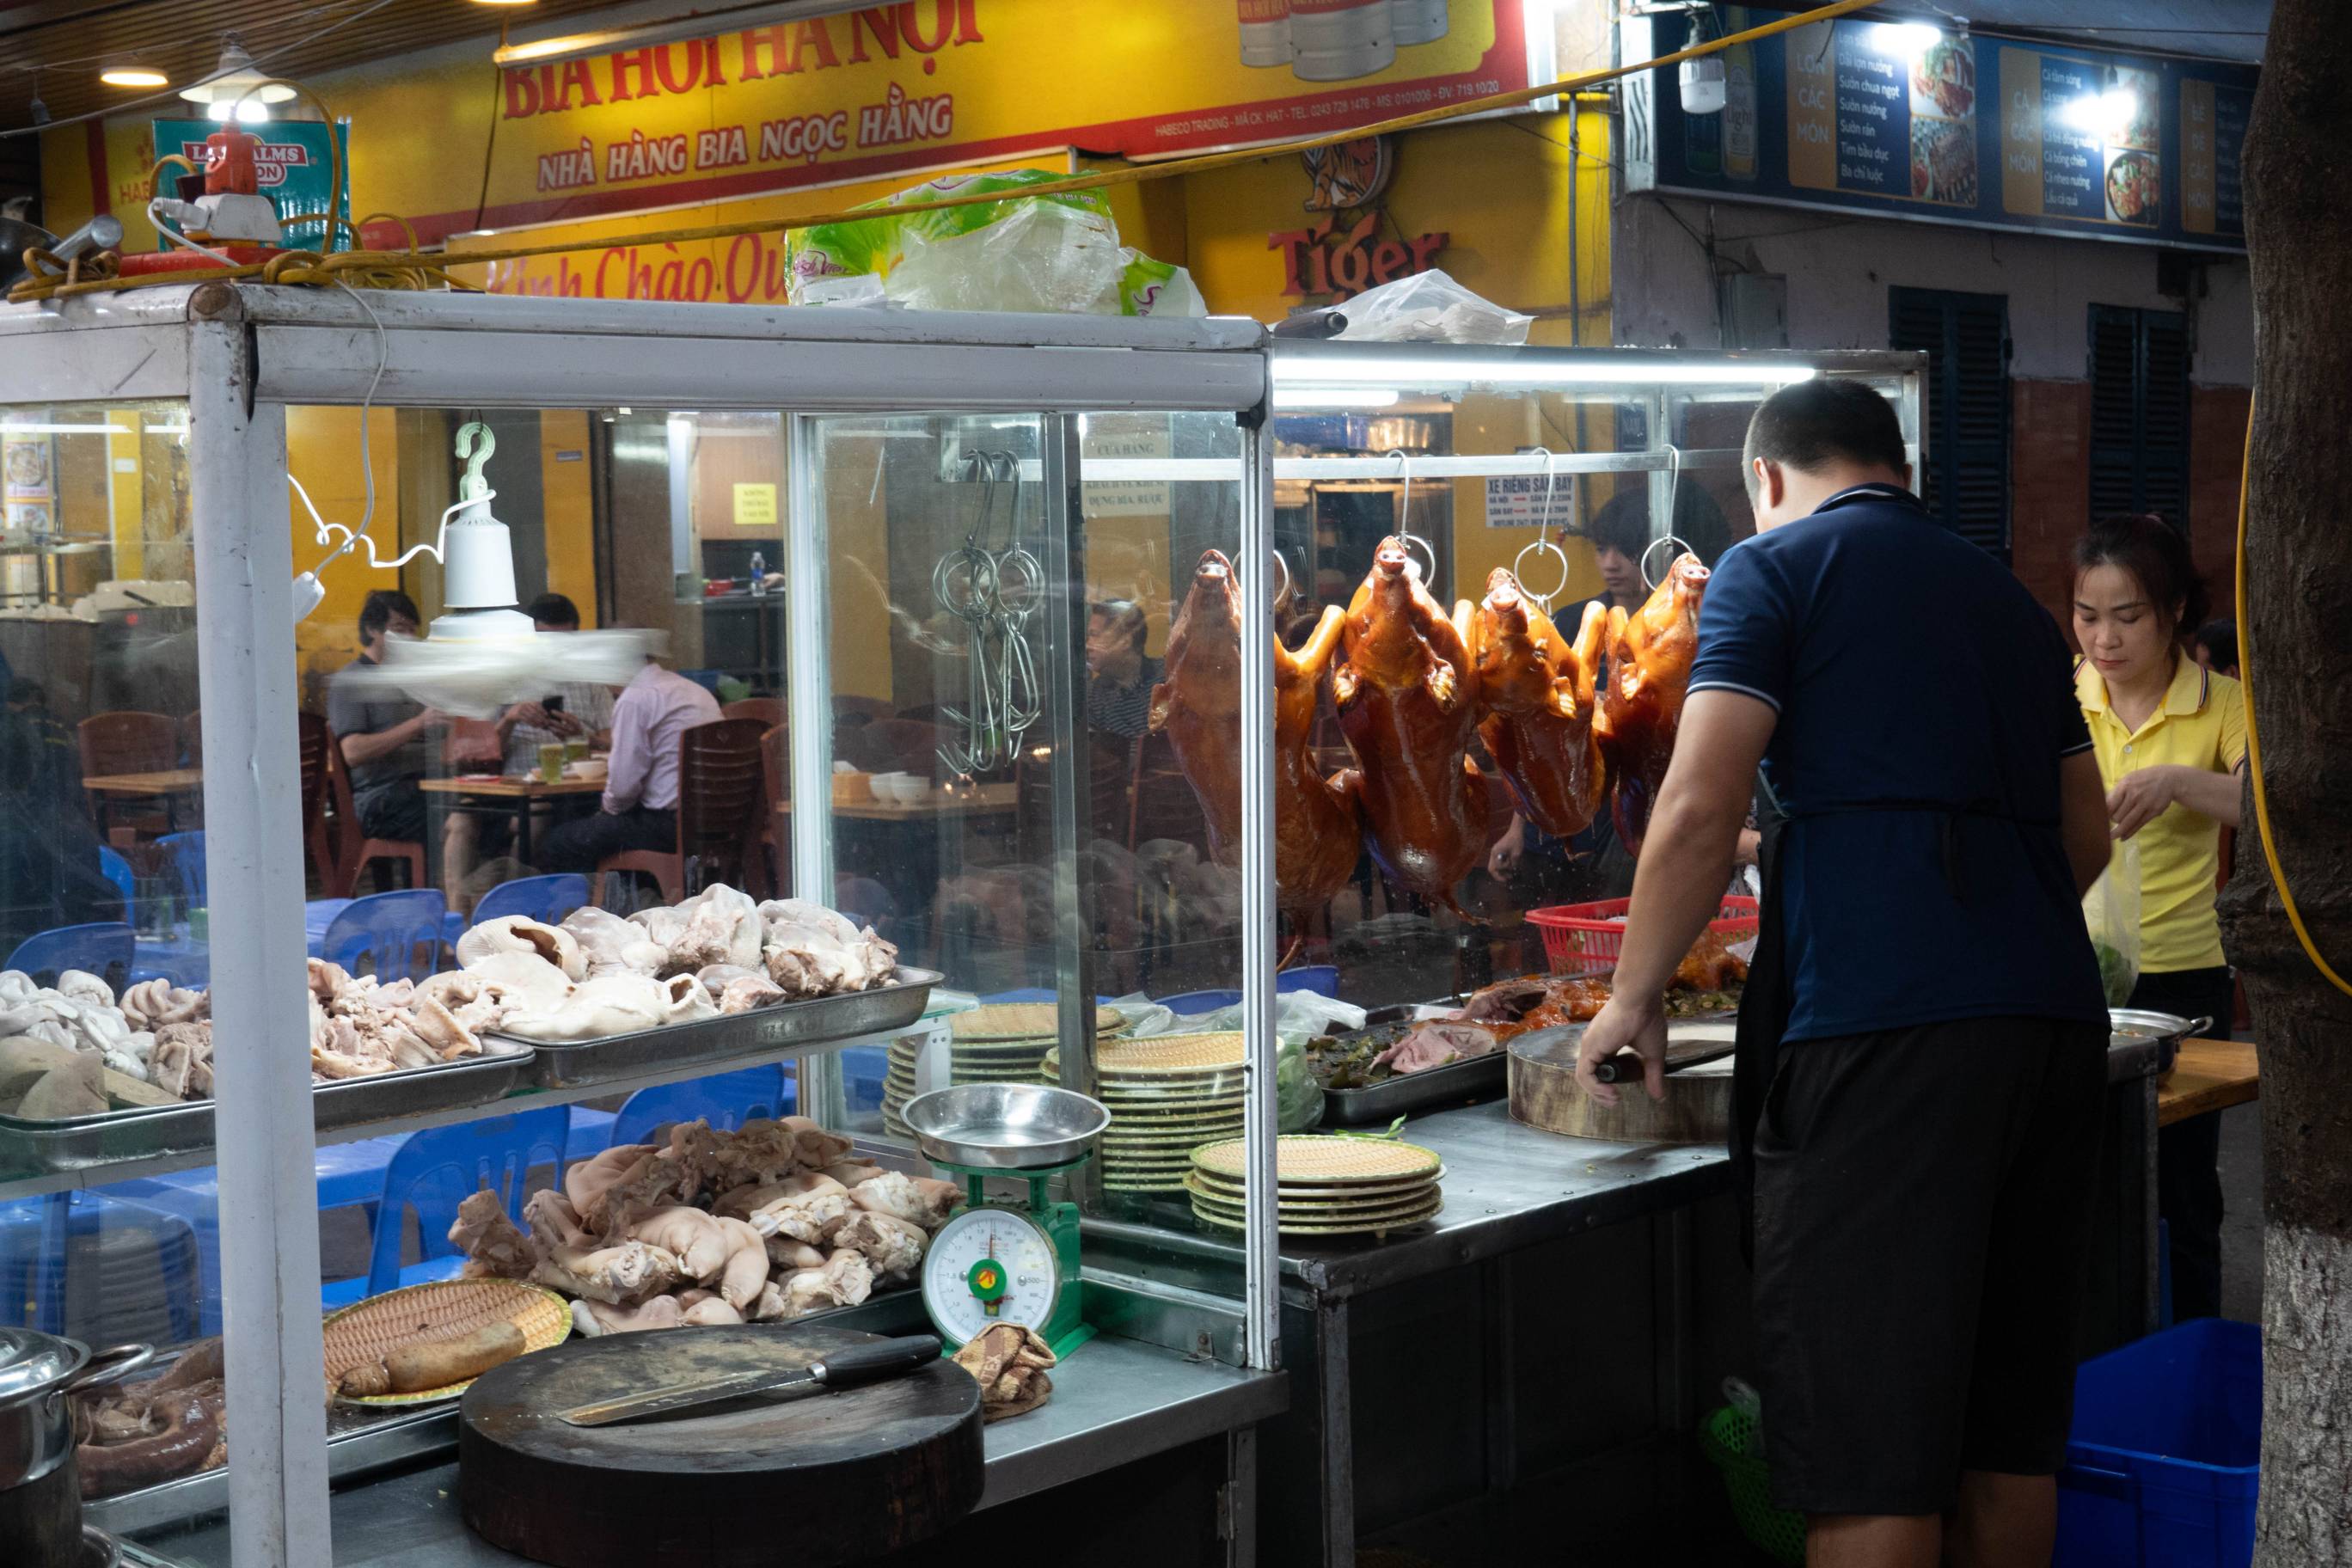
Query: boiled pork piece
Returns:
{"type": "Point", "coordinates": [585, 1183]}
{"type": "Point", "coordinates": [916, 1200]}
{"type": "Point", "coordinates": [519, 933]}
{"type": "Point", "coordinates": [892, 1245]}
{"type": "Point", "coordinates": [1407, 698]}
{"type": "Point", "coordinates": [618, 1004]}
{"type": "Point", "coordinates": [1650, 655]}
{"type": "Point", "coordinates": [806, 1207]}
{"type": "Point", "coordinates": [591, 1318]}
{"type": "Point", "coordinates": [1198, 707]}
{"type": "Point", "coordinates": [1435, 1044]}
{"type": "Point", "coordinates": [1537, 694]}
{"type": "Point", "coordinates": [698, 1242]}
{"type": "Point", "coordinates": [492, 1244]}
{"type": "Point", "coordinates": [608, 943]}
{"type": "Point", "coordinates": [627, 1271]}
{"type": "Point", "coordinates": [722, 926]}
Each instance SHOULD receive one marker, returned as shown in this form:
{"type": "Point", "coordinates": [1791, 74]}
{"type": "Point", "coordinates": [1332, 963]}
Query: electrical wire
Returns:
{"type": "Point", "coordinates": [160, 94]}
{"type": "Point", "coordinates": [2253, 739]}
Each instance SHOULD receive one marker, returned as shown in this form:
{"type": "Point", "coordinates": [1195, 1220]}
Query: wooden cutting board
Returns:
{"type": "Point", "coordinates": [824, 1479]}
{"type": "Point", "coordinates": [1696, 1110]}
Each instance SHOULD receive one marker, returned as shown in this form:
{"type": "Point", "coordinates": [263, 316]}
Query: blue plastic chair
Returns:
{"type": "Point", "coordinates": [544, 899]}
{"type": "Point", "coordinates": [1323, 979]}
{"type": "Point", "coordinates": [386, 930]}
{"type": "Point", "coordinates": [92, 947]}
{"type": "Point", "coordinates": [1199, 1001]}
{"type": "Point", "coordinates": [727, 1100]}
{"type": "Point", "coordinates": [1031, 994]}
{"type": "Point", "coordinates": [435, 1172]}
{"type": "Point", "coordinates": [118, 871]}
{"type": "Point", "coordinates": [34, 1234]}
{"type": "Point", "coordinates": [187, 855]}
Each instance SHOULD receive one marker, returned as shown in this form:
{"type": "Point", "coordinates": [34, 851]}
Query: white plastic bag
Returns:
{"type": "Point", "coordinates": [1430, 308]}
{"type": "Point", "coordinates": [2111, 908]}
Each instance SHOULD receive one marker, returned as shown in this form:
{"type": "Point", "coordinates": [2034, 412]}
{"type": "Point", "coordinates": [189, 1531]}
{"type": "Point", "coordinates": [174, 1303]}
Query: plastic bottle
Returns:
{"type": "Point", "coordinates": [1266, 32]}
{"type": "Point", "coordinates": [1418, 21]}
{"type": "Point", "coordinates": [759, 572]}
{"type": "Point", "coordinates": [1339, 40]}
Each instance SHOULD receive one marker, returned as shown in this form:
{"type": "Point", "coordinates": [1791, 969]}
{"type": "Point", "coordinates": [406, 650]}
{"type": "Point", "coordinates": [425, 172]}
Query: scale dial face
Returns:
{"type": "Point", "coordinates": [989, 1266]}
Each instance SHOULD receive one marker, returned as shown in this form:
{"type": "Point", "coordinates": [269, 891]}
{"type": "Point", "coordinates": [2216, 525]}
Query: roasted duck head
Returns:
{"type": "Point", "coordinates": [1198, 707]}
{"type": "Point", "coordinates": [1407, 697]}
{"type": "Point", "coordinates": [1650, 655]}
{"type": "Point", "coordinates": [1535, 693]}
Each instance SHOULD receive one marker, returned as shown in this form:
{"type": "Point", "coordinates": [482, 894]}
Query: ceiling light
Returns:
{"type": "Point", "coordinates": [506, 1]}
{"type": "Point", "coordinates": [1702, 79]}
{"type": "Point", "coordinates": [133, 75]}
{"type": "Point", "coordinates": [1906, 37]}
{"type": "Point", "coordinates": [13, 428]}
{"type": "Point", "coordinates": [235, 77]}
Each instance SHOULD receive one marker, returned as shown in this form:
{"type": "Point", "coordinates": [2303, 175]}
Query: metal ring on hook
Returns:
{"type": "Point", "coordinates": [1542, 545]}
{"type": "Point", "coordinates": [1426, 549]}
{"type": "Point", "coordinates": [1280, 593]}
{"type": "Point", "coordinates": [1651, 583]}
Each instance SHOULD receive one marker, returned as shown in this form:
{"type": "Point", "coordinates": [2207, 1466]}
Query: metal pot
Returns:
{"type": "Point", "coordinates": [38, 1372]}
{"type": "Point", "coordinates": [2166, 1029]}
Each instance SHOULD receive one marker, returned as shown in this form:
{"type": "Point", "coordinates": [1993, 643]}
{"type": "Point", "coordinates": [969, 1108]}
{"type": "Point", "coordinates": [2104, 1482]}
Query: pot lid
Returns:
{"type": "Point", "coordinates": [31, 1361]}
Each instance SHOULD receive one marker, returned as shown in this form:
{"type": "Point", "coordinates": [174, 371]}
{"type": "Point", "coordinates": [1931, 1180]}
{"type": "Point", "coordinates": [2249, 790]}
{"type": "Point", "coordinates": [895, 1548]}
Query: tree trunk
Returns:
{"type": "Point", "coordinates": [2298, 641]}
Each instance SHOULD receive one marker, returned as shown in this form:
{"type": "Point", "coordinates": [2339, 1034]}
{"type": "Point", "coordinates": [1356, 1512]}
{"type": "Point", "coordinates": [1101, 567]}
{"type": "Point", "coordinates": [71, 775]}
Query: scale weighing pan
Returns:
{"type": "Point", "coordinates": [1005, 1126]}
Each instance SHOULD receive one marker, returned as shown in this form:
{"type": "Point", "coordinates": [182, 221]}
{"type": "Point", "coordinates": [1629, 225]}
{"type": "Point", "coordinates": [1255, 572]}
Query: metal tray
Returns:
{"type": "Point", "coordinates": [819, 1021]}
{"type": "Point", "coordinates": [359, 1444]}
{"type": "Point", "coordinates": [1431, 1089]}
{"type": "Point", "coordinates": [30, 1147]}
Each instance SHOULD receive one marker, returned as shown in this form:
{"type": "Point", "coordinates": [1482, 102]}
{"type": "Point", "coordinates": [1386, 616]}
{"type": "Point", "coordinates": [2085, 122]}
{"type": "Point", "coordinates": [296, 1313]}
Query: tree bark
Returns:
{"type": "Point", "coordinates": [2298, 642]}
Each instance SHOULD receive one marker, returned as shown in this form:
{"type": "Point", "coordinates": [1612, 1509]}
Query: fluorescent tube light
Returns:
{"type": "Point", "coordinates": [1446, 370]}
{"type": "Point", "coordinates": [1336, 397]}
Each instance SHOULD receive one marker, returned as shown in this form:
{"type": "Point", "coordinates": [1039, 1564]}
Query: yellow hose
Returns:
{"type": "Point", "coordinates": [2253, 740]}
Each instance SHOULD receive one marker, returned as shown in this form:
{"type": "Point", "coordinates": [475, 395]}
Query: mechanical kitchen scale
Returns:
{"type": "Point", "coordinates": [997, 1262]}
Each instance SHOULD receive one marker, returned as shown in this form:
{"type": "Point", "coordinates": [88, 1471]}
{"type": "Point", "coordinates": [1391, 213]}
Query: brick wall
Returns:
{"type": "Point", "coordinates": [2049, 495]}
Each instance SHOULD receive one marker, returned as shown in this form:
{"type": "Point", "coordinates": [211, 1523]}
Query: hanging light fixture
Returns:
{"type": "Point", "coordinates": [133, 75]}
{"type": "Point", "coordinates": [236, 85]}
{"type": "Point", "coordinates": [1702, 79]}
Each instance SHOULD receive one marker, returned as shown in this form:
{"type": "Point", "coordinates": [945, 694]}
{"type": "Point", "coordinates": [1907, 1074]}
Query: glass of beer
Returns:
{"type": "Point", "coordinates": [551, 763]}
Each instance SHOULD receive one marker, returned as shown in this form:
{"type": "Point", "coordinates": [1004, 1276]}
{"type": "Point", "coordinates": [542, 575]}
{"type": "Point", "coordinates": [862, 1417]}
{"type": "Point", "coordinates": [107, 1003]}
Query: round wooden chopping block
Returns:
{"type": "Point", "coordinates": [822, 1480]}
{"type": "Point", "coordinates": [1544, 1093]}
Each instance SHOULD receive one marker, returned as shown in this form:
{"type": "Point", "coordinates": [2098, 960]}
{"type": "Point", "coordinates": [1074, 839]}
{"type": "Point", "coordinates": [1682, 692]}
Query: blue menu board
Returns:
{"type": "Point", "coordinates": [1908, 119]}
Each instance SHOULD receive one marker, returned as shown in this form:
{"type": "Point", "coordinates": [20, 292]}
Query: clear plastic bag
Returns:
{"type": "Point", "coordinates": [1429, 308]}
{"type": "Point", "coordinates": [2111, 908]}
{"type": "Point", "coordinates": [1299, 1016]}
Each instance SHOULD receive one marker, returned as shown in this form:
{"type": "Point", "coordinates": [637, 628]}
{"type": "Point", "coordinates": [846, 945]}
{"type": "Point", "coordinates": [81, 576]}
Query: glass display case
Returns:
{"type": "Point", "coordinates": [952, 620]}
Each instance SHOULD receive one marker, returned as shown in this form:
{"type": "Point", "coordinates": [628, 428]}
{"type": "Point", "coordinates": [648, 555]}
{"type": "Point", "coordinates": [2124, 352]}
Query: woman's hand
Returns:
{"type": "Point", "coordinates": [1504, 858]}
{"type": "Point", "coordinates": [2140, 798]}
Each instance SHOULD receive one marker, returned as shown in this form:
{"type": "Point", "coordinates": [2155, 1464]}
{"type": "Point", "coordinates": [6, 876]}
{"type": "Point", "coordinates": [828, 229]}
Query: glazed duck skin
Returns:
{"type": "Point", "coordinates": [1650, 655]}
{"type": "Point", "coordinates": [1198, 707]}
{"type": "Point", "coordinates": [1537, 693]}
{"type": "Point", "coordinates": [1407, 694]}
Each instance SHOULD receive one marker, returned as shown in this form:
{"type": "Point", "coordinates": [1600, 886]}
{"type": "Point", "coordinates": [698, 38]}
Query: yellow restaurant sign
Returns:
{"type": "Point", "coordinates": [928, 84]}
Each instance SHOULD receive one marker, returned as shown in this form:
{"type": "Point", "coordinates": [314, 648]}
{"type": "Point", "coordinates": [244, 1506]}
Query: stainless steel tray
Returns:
{"type": "Point", "coordinates": [31, 1147]}
{"type": "Point", "coordinates": [1431, 1089]}
{"type": "Point", "coordinates": [819, 1021]}
{"type": "Point", "coordinates": [357, 1445]}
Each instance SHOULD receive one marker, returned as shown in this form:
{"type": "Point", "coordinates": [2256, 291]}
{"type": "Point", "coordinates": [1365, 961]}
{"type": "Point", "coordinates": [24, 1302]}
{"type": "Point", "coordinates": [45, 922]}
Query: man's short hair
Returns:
{"type": "Point", "coordinates": [1622, 523]}
{"type": "Point", "coordinates": [381, 606]}
{"type": "Point", "coordinates": [1124, 614]}
{"type": "Point", "coordinates": [554, 610]}
{"type": "Point", "coordinates": [1813, 424]}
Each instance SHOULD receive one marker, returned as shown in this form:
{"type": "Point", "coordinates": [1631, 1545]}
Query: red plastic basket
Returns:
{"type": "Point", "coordinates": [1581, 939]}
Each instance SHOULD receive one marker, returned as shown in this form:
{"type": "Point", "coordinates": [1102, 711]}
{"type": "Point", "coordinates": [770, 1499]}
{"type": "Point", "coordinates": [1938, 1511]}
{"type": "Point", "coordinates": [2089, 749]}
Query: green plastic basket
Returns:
{"type": "Point", "coordinates": [1735, 1446]}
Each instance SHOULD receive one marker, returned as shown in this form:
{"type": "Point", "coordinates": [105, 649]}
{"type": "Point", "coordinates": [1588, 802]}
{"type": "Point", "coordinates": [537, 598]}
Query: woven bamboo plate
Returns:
{"type": "Point", "coordinates": [1307, 1158]}
{"type": "Point", "coordinates": [1324, 1213]}
{"type": "Point", "coordinates": [1160, 1055]}
{"type": "Point", "coordinates": [1179, 1141]}
{"type": "Point", "coordinates": [1025, 1021]}
{"type": "Point", "coordinates": [444, 1309]}
{"type": "Point", "coordinates": [1117, 1170]}
{"type": "Point", "coordinates": [1358, 1228]}
{"type": "Point", "coordinates": [1231, 1188]}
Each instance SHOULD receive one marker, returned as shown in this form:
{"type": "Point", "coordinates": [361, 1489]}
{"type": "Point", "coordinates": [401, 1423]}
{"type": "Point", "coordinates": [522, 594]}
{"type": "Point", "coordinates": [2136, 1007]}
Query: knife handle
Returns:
{"type": "Point", "coordinates": [1625, 1067]}
{"type": "Point", "coordinates": [885, 1358]}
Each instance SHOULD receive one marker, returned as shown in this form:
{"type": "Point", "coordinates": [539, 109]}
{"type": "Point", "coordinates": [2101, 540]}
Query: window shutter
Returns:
{"type": "Point", "coordinates": [2139, 412]}
{"type": "Point", "coordinates": [2163, 466]}
{"type": "Point", "coordinates": [1965, 466]}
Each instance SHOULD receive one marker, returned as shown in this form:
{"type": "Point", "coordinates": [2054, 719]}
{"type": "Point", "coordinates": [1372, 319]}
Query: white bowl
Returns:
{"type": "Point", "coordinates": [909, 789]}
{"type": "Point", "coordinates": [884, 786]}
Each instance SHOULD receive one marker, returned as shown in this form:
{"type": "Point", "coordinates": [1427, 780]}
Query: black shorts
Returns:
{"type": "Point", "coordinates": [1923, 1212]}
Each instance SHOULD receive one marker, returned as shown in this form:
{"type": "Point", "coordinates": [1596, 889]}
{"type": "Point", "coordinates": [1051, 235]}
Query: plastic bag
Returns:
{"type": "Point", "coordinates": [1053, 253]}
{"type": "Point", "coordinates": [1429, 308]}
{"type": "Point", "coordinates": [1299, 1016]}
{"type": "Point", "coordinates": [2111, 908]}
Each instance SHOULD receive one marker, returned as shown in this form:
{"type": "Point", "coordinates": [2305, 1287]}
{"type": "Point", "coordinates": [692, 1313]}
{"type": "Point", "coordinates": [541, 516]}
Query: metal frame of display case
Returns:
{"type": "Point", "coordinates": [239, 356]}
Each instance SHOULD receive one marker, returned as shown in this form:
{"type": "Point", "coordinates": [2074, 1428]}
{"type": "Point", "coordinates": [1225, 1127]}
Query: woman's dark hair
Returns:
{"type": "Point", "coordinates": [2156, 555]}
{"type": "Point", "coordinates": [2219, 641]}
{"type": "Point", "coordinates": [377, 610]}
{"type": "Point", "coordinates": [554, 610]}
{"type": "Point", "coordinates": [1622, 523]}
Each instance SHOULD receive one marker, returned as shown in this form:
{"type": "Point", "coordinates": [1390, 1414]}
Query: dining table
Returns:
{"type": "Point", "coordinates": [498, 795]}
{"type": "Point", "coordinates": [166, 784]}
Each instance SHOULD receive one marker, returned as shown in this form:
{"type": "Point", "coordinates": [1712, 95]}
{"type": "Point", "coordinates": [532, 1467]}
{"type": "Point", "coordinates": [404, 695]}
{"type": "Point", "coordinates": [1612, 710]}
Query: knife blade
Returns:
{"type": "Point", "coordinates": [841, 1368]}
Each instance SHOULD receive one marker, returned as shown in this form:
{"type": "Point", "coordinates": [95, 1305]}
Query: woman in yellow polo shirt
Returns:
{"type": "Point", "coordinates": [2171, 735]}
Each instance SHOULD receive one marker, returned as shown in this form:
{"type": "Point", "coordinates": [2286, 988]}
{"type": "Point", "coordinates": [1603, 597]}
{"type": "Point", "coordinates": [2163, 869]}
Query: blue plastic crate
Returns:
{"type": "Point", "coordinates": [2164, 1461]}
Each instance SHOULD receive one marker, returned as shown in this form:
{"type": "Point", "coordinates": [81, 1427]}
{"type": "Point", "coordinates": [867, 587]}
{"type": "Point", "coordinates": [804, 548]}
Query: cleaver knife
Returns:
{"type": "Point", "coordinates": [842, 1369]}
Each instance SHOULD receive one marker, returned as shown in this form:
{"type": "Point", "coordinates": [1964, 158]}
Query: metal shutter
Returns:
{"type": "Point", "coordinates": [1965, 476]}
{"type": "Point", "coordinates": [2139, 412]}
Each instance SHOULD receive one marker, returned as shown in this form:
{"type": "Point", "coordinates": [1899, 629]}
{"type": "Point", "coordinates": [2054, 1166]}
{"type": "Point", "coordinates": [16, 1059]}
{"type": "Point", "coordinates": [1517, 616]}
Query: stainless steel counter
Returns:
{"type": "Point", "coordinates": [1115, 1401]}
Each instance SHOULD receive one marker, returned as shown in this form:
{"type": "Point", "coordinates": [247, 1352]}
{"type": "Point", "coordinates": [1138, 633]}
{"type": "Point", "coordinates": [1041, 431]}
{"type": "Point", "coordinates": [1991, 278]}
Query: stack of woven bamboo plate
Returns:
{"type": "Point", "coordinates": [1168, 1095]}
{"type": "Point", "coordinates": [444, 1309]}
{"type": "Point", "coordinates": [1324, 1186]}
{"type": "Point", "coordinates": [997, 1042]}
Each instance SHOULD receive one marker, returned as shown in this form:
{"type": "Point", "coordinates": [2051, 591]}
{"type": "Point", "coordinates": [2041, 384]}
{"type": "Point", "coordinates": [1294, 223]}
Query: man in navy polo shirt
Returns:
{"type": "Point", "coordinates": [1922, 1044]}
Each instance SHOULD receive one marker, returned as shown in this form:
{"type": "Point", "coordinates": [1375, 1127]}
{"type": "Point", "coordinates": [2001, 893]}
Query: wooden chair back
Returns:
{"type": "Point", "coordinates": [129, 743]}
{"type": "Point", "coordinates": [720, 783]}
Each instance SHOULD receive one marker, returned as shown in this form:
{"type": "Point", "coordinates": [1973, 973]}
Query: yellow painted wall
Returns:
{"type": "Point", "coordinates": [568, 506]}
{"type": "Point", "coordinates": [322, 449]}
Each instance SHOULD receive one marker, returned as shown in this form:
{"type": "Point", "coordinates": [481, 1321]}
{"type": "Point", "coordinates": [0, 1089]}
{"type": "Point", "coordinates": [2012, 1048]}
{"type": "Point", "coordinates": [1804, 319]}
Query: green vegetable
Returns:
{"type": "Point", "coordinates": [2117, 973]}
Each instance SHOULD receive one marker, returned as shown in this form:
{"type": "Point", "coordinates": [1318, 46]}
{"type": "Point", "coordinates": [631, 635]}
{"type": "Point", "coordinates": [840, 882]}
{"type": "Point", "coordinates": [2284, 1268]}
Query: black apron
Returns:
{"type": "Point", "coordinates": [1767, 998]}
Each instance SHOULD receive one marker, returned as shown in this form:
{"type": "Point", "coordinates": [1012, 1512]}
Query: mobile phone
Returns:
{"type": "Point", "coordinates": [551, 704]}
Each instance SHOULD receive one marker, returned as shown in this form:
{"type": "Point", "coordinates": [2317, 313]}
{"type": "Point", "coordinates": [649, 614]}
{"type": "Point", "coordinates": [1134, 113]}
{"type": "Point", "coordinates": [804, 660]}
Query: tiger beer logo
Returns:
{"type": "Point", "coordinates": [1351, 175]}
{"type": "Point", "coordinates": [1325, 258]}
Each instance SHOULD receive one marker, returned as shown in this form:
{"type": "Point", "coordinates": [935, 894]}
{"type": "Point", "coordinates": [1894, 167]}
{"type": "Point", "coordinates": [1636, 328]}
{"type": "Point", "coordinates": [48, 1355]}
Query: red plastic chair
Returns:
{"type": "Point", "coordinates": [355, 851]}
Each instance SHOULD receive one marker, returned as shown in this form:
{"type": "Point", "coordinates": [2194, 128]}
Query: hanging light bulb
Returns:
{"type": "Point", "coordinates": [133, 75]}
{"type": "Point", "coordinates": [483, 653]}
{"type": "Point", "coordinates": [236, 86]}
{"type": "Point", "coordinates": [1702, 79]}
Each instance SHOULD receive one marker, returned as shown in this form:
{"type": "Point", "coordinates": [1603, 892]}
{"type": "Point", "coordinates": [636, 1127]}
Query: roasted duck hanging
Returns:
{"type": "Point", "coordinates": [1408, 697]}
{"type": "Point", "coordinates": [1198, 707]}
{"type": "Point", "coordinates": [1536, 696]}
{"type": "Point", "coordinates": [1650, 655]}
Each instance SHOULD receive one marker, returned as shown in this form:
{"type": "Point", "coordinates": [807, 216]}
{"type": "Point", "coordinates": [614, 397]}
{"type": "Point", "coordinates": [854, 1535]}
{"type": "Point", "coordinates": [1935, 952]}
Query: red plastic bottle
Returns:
{"type": "Point", "coordinates": [229, 162]}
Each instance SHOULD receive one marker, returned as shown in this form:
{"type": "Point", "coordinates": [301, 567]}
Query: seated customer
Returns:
{"type": "Point", "coordinates": [641, 786]}
{"type": "Point", "coordinates": [382, 734]}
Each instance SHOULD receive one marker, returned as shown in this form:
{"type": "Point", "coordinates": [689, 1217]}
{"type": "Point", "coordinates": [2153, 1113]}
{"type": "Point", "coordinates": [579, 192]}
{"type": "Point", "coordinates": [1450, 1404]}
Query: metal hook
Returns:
{"type": "Point", "coordinates": [476, 443]}
{"type": "Point", "coordinates": [1542, 542]}
{"type": "Point", "coordinates": [1404, 503]}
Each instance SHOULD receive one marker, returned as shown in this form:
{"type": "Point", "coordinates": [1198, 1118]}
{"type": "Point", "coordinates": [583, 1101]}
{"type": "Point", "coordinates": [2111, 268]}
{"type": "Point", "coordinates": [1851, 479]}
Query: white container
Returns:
{"type": "Point", "coordinates": [884, 787]}
{"type": "Point", "coordinates": [1266, 32]}
{"type": "Point", "coordinates": [1418, 21]}
{"type": "Point", "coordinates": [1339, 40]}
